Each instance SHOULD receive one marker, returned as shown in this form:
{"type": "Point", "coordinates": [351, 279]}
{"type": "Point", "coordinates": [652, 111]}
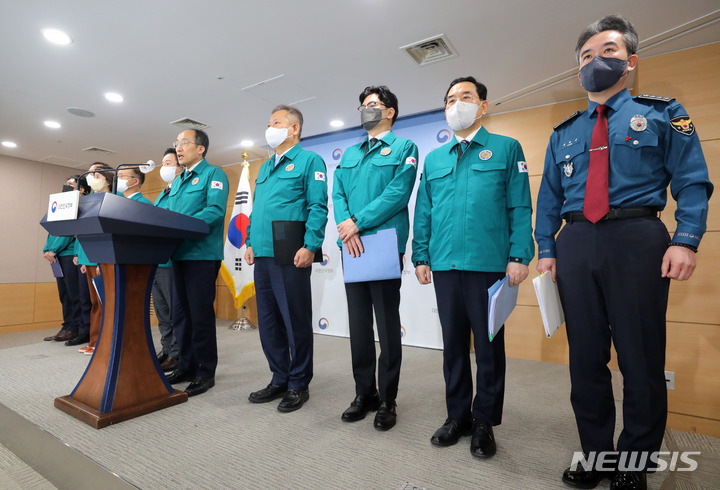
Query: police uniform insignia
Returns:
{"type": "Point", "coordinates": [654, 97]}
{"type": "Point", "coordinates": [385, 151]}
{"type": "Point", "coordinates": [568, 169]}
{"type": "Point", "coordinates": [289, 167]}
{"type": "Point", "coordinates": [485, 155]}
{"type": "Point", "coordinates": [638, 123]}
{"type": "Point", "coordinates": [683, 125]}
{"type": "Point", "coordinates": [195, 181]}
{"type": "Point", "coordinates": [568, 119]}
{"type": "Point", "coordinates": [411, 161]}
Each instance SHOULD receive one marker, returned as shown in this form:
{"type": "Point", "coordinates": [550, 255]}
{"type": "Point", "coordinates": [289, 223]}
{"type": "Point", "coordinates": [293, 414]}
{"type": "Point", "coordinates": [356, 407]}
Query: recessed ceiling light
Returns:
{"type": "Point", "coordinates": [246, 143]}
{"type": "Point", "coordinates": [114, 97]}
{"type": "Point", "coordinates": [57, 37]}
{"type": "Point", "coordinates": [9, 144]}
{"type": "Point", "coordinates": [337, 123]}
{"type": "Point", "coordinates": [52, 124]}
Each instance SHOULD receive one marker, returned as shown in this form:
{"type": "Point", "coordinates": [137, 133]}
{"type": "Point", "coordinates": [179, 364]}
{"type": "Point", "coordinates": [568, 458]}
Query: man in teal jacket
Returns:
{"type": "Point", "coordinates": [61, 249]}
{"type": "Point", "coordinates": [291, 186]}
{"type": "Point", "coordinates": [371, 189]}
{"type": "Point", "coordinates": [201, 191]}
{"type": "Point", "coordinates": [129, 183]}
{"type": "Point", "coordinates": [472, 227]}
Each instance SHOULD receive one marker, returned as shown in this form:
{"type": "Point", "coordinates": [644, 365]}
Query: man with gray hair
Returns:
{"type": "Point", "coordinates": [607, 170]}
{"type": "Point", "coordinates": [291, 186]}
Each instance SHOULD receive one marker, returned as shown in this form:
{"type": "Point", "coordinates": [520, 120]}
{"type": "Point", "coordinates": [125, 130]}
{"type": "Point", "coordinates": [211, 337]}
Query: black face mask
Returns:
{"type": "Point", "coordinates": [602, 73]}
{"type": "Point", "coordinates": [370, 117]}
{"type": "Point", "coordinates": [67, 188]}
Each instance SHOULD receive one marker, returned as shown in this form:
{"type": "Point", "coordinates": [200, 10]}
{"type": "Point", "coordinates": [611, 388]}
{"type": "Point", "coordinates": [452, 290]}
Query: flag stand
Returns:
{"type": "Point", "coordinates": [242, 323]}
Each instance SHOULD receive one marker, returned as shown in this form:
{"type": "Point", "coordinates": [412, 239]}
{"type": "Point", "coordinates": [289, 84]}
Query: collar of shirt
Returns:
{"type": "Point", "coordinates": [379, 136]}
{"type": "Point", "coordinates": [188, 170]}
{"type": "Point", "coordinates": [614, 102]}
{"type": "Point", "coordinates": [467, 138]}
{"type": "Point", "coordinates": [279, 156]}
{"type": "Point", "coordinates": [131, 195]}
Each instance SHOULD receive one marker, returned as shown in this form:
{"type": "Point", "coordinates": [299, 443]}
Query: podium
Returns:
{"type": "Point", "coordinates": [128, 239]}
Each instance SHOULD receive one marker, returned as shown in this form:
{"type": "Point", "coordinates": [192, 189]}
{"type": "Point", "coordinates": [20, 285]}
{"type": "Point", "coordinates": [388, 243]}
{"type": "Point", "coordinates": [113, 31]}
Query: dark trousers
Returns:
{"type": "Point", "coordinates": [69, 292]}
{"type": "Point", "coordinates": [384, 296]}
{"type": "Point", "coordinates": [611, 290]}
{"type": "Point", "coordinates": [193, 314]}
{"type": "Point", "coordinates": [462, 298]}
{"type": "Point", "coordinates": [162, 302]}
{"type": "Point", "coordinates": [284, 303]}
{"type": "Point", "coordinates": [85, 303]}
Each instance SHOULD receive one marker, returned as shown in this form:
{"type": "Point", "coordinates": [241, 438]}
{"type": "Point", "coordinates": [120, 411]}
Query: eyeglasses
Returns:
{"type": "Point", "coordinates": [465, 97]}
{"type": "Point", "coordinates": [370, 105]}
{"type": "Point", "coordinates": [183, 143]}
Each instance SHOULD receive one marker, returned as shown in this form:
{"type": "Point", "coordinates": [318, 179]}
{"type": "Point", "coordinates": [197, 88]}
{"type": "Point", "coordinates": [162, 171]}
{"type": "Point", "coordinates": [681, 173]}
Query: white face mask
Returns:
{"type": "Point", "coordinates": [168, 173]}
{"type": "Point", "coordinates": [122, 185]}
{"type": "Point", "coordinates": [95, 184]}
{"type": "Point", "coordinates": [461, 115]}
{"type": "Point", "coordinates": [275, 136]}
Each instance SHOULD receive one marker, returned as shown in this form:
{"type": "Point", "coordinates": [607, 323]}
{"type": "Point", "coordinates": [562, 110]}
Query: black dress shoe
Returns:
{"type": "Point", "coordinates": [199, 385]}
{"type": "Point", "coordinates": [629, 480]}
{"type": "Point", "coordinates": [293, 400]}
{"type": "Point", "coordinates": [451, 432]}
{"type": "Point", "coordinates": [78, 339]}
{"type": "Point", "coordinates": [170, 364]}
{"type": "Point", "coordinates": [360, 406]}
{"type": "Point", "coordinates": [267, 394]}
{"type": "Point", "coordinates": [482, 444]}
{"type": "Point", "coordinates": [386, 417]}
{"type": "Point", "coordinates": [53, 337]}
{"type": "Point", "coordinates": [178, 376]}
{"type": "Point", "coordinates": [65, 335]}
{"type": "Point", "coordinates": [584, 479]}
{"type": "Point", "coordinates": [162, 357]}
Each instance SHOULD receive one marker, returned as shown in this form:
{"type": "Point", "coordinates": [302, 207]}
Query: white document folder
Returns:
{"type": "Point", "coordinates": [549, 300]}
{"type": "Point", "coordinates": [501, 302]}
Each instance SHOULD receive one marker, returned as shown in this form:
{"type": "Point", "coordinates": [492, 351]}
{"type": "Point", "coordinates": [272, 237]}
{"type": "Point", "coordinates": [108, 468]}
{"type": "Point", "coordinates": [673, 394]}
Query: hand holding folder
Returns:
{"type": "Point", "coordinates": [288, 238]}
{"type": "Point", "coordinates": [379, 261]}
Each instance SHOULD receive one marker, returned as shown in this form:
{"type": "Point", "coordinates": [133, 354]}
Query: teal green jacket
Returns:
{"type": "Point", "coordinates": [376, 187]}
{"type": "Point", "coordinates": [294, 190]}
{"type": "Point", "coordinates": [163, 201]}
{"type": "Point", "coordinates": [476, 213]}
{"type": "Point", "coordinates": [140, 198]}
{"type": "Point", "coordinates": [202, 194]}
{"type": "Point", "coordinates": [60, 245]}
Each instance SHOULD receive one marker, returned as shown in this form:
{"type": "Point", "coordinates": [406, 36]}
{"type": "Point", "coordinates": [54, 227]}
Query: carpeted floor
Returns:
{"type": "Point", "coordinates": [220, 440]}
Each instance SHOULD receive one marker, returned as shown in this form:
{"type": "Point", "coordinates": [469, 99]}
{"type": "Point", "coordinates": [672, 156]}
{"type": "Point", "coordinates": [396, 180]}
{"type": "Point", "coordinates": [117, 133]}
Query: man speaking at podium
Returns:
{"type": "Point", "coordinates": [201, 191]}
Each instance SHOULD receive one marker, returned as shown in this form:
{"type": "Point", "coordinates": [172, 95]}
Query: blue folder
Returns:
{"type": "Point", "coordinates": [379, 261]}
{"type": "Point", "coordinates": [501, 302]}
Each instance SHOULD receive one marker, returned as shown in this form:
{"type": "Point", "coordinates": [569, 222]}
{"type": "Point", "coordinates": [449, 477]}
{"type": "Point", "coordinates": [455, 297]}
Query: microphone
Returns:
{"type": "Point", "coordinates": [145, 168]}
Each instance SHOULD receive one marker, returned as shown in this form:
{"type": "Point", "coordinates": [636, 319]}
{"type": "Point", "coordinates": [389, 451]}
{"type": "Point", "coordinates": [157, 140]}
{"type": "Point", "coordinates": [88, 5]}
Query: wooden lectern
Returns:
{"type": "Point", "coordinates": [128, 239]}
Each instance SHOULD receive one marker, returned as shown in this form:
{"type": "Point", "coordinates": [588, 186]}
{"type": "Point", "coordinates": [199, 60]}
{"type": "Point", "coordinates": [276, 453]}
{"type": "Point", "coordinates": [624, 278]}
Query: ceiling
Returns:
{"type": "Point", "coordinates": [204, 60]}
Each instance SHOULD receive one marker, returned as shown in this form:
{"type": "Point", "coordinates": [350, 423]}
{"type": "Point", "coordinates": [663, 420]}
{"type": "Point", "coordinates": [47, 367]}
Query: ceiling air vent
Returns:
{"type": "Point", "coordinates": [187, 123]}
{"type": "Point", "coordinates": [431, 50]}
{"type": "Point", "coordinates": [101, 151]}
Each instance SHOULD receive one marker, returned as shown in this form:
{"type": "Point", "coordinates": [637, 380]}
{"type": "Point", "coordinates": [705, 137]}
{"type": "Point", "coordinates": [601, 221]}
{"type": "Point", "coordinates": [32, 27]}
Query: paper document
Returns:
{"type": "Point", "coordinates": [501, 302]}
{"type": "Point", "coordinates": [549, 300]}
{"type": "Point", "coordinates": [56, 269]}
{"type": "Point", "coordinates": [380, 259]}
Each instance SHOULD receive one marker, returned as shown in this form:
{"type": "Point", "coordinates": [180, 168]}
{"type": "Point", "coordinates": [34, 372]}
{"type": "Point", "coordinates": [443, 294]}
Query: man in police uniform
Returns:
{"type": "Point", "coordinates": [201, 191]}
{"type": "Point", "coordinates": [290, 186]}
{"type": "Point", "coordinates": [606, 173]}
{"type": "Point", "coordinates": [371, 189]}
{"type": "Point", "coordinates": [472, 227]}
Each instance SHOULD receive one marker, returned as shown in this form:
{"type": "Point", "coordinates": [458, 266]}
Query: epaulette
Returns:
{"type": "Point", "coordinates": [656, 98]}
{"type": "Point", "coordinates": [568, 119]}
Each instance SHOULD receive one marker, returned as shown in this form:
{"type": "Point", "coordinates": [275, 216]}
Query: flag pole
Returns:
{"type": "Point", "coordinates": [243, 323]}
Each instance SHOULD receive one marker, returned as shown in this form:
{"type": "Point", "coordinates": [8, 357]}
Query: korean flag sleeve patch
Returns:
{"type": "Point", "coordinates": [522, 167]}
{"type": "Point", "coordinates": [216, 184]}
{"type": "Point", "coordinates": [320, 176]}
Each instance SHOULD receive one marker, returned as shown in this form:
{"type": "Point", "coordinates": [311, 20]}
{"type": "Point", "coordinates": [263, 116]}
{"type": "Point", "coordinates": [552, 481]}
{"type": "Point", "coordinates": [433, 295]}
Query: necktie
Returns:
{"type": "Point", "coordinates": [596, 203]}
{"type": "Point", "coordinates": [370, 144]}
{"type": "Point", "coordinates": [167, 189]}
{"type": "Point", "coordinates": [461, 149]}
